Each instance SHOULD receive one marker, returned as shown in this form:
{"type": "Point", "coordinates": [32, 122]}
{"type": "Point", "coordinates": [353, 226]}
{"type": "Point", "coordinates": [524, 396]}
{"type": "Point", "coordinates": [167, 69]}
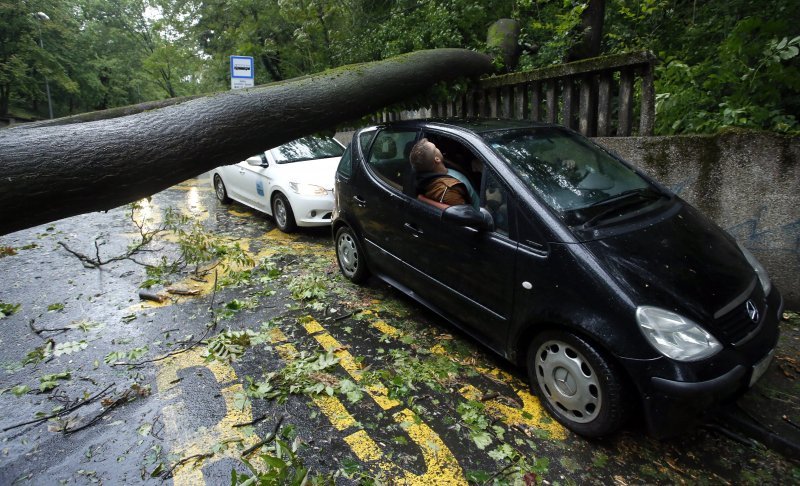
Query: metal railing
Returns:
{"type": "Point", "coordinates": [595, 96]}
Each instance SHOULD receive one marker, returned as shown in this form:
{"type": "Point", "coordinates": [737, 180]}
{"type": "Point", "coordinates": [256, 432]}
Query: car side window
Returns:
{"type": "Point", "coordinates": [345, 168]}
{"type": "Point", "coordinates": [388, 157]}
{"type": "Point", "coordinates": [495, 198]}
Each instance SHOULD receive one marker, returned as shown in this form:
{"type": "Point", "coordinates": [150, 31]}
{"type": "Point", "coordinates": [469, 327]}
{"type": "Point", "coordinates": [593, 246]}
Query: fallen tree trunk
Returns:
{"type": "Point", "coordinates": [72, 166]}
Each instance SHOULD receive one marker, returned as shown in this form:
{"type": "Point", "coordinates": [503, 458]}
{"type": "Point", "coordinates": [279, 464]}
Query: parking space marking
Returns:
{"type": "Point", "coordinates": [189, 441]}
{"type": "Point", "coordinates": [377, 391]}
{"type": "Point", "coordinates": [532, 414]}
{"type": "Point", "coordinates": [363, 446]}
{"type": "Point", "coordinates": [441, 466]}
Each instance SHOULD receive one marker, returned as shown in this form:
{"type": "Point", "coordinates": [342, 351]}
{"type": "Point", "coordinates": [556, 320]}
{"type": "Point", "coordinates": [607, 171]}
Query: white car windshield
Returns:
{"type": "Point", "coordinates": [307, 148]}
{"type": "Point", "coordinates": [574, 177]}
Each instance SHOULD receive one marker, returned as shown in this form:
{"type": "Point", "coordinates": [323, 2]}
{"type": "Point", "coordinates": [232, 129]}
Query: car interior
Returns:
{"type": "Point", "coordinates": [389, 159]}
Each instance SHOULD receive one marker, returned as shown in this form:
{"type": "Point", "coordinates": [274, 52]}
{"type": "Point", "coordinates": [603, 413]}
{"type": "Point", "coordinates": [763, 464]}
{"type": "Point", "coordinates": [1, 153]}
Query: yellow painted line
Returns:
{"type": "Point", "coordinates": [377, 391]}
{"type": "Point", "coordinates": [186, 438]}
{"type": "Point", "coordinates": [277, 336]}
{"type": "Point", "coordinates": [387, 329]}
{"type": "Point", "coordinates": [441, 466]}
{"type": "Point", "coordinates": [240, 214]}
{"type": "Point", "coordinates": [363, 446]}
{"type": "Point", "coordinates": [532, 414]}
{"type": "Point", "coordinates": [332, 407]}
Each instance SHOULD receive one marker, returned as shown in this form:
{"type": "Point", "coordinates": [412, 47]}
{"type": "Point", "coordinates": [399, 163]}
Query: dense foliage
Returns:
{"type": "Point", "coordinates": [722, 62]}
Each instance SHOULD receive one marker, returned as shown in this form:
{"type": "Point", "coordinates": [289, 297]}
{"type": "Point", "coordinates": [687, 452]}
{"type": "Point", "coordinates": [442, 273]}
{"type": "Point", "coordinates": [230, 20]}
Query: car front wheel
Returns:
{"type": "Point", "coordinates": [577, 384]}
{"type": "Point", "coordinates": [350, 256]}
{"type": "Point", "coordinates": [219, 189]}
{"type": "Point", "coordinates": [282, 213]}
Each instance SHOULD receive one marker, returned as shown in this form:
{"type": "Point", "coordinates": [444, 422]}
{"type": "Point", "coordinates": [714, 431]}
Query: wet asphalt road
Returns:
{"type": "Point", "coordinates": [101, 386]}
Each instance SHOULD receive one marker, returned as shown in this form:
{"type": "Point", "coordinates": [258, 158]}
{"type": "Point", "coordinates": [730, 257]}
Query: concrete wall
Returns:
{"type": "Point", "coordinates": [747, 182]}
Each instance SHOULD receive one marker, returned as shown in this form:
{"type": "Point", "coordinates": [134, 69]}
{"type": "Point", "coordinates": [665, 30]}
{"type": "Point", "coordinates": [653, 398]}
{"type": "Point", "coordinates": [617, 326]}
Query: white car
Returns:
{"type": "Point", "coordinates": [292, 183]}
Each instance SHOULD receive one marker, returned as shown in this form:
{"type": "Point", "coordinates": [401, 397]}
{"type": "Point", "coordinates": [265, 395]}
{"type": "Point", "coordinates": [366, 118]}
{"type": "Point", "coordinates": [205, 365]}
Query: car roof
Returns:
{"type": "Point", "coordinates": [476, 125]}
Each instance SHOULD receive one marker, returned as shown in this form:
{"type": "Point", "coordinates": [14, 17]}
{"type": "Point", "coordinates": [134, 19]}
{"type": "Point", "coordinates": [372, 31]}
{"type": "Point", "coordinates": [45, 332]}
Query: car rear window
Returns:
{"type": "Point", "coordinates": [307, 148]}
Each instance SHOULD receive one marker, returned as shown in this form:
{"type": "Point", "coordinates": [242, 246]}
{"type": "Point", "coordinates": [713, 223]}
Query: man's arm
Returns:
{"type": "Point", "coordinates": [448, 190]}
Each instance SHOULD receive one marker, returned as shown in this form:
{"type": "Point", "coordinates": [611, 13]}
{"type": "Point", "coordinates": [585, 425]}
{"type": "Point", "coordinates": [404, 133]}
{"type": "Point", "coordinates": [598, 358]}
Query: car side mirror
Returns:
{"type": "Point", "coordinates": [466, 215]}
{"type": "Point", "coordinates": [258, 161]}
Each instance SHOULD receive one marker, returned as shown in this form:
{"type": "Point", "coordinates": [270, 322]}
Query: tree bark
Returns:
{"type": "Point", "coordinates": [52, 171]}
{"type": "Point", "coordinates": [591, 35]}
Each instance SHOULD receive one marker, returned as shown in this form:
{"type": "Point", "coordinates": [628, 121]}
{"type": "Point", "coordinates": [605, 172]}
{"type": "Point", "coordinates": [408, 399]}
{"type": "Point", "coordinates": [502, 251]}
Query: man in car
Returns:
{"type": "Point", "coordinates": [435, 181]}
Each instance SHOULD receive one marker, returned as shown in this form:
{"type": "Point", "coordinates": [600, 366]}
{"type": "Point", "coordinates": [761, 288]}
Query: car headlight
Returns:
{"type": "Point", "coordinates": [675, 336]}
{"type": "Point", "coordinates": [308, 189]}
{"type": "Point", "coordinates": [763, 277]}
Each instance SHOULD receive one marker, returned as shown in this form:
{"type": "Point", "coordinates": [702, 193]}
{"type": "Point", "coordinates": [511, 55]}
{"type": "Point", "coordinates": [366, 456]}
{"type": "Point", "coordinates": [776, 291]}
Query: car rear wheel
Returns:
{"type": "Point", "coordinates": [282, 213]}
{"type": "Point", "coordinates": [577, 384]}
{"type": "Point", "coordinates": [219, 189]}
{"type": "Point", "coordinates": [350, 256]}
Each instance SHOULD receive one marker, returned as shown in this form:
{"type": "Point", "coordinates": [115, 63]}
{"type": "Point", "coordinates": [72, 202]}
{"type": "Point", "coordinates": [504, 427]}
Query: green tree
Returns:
{"type": "Point", "coordinates": [24, 64]}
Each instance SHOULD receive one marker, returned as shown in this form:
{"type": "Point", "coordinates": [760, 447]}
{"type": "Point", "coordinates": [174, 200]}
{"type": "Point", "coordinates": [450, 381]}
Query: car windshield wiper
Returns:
{"type": "Point", "coordinates": [622, 200]}
{"type": "Point", "coordinates": [636, 194]}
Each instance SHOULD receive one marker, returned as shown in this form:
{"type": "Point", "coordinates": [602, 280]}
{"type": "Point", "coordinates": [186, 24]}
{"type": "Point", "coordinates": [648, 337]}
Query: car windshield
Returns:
{"type": "Point", "coordinates": [578, 180]}
{"type": "Point", "coordinates": [307, 148]}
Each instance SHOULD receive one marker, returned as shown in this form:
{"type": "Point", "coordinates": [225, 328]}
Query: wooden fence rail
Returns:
{"type": "Point", "coordinates": [583, 95]}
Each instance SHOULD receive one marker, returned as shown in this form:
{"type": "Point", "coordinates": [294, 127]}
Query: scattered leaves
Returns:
{"type": "Point", "coordinates": [48, 382]}
{"type": "Point", "coordinates": [8, 309]}
{"type": "Point", "coordinates": [69, 347]}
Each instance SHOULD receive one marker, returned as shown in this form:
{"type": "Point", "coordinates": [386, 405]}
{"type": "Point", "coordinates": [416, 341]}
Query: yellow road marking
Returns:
{"type": "Point", "coordinates": [441, 466]}
{"type": "Point", "coordinates": [532, 414]}
{"type": "Point", "coordinates": [363, 446]}
{"type": "Point", "coordinates": [188, 440]}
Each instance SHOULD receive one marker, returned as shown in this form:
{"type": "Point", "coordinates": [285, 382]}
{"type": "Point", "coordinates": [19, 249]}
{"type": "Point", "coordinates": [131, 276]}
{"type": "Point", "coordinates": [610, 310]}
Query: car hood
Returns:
{"type": "Point", "coordinates": [319, 172]}
{"type": "Point", "coordinates": [683, 263]}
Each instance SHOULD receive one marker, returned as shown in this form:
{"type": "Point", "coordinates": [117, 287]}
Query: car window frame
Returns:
{"type": "Point", "coordinates": [382, 179]}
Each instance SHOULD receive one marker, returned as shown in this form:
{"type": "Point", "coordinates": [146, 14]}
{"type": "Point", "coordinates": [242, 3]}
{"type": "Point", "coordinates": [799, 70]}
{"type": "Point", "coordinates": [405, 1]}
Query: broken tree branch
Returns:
{"type": "Point", "coordinates": [61, 413]}
{"type": "Point", "coordinates": [269, 438]}
{"type": "Point", "coordinates": [100, 165]}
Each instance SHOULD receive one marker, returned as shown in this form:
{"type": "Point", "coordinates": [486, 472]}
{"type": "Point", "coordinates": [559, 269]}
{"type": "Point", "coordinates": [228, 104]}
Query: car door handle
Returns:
{"type": "Point", "coordinates": [413, 229]}
{"type": "Point", "coordinates": [360, 201]}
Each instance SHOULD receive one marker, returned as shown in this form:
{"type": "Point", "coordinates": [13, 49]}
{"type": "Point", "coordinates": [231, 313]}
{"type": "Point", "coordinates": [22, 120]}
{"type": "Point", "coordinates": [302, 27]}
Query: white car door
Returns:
{"type": "Point", "coordinates": [255, 182]}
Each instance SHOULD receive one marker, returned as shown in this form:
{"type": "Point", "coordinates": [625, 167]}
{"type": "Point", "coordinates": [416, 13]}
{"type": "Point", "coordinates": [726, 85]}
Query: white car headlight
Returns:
{"type": "Point", "coordinates": [308, 189]}
{"type": "Point", "coordinates": [675, 336]}
{"type": "Point", "coordinates": [763, 277]}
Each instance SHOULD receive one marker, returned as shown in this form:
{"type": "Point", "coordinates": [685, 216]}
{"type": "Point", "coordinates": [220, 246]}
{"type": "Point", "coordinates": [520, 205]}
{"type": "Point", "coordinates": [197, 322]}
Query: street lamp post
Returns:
{"type": "Point", "coordinates": [43, 16]}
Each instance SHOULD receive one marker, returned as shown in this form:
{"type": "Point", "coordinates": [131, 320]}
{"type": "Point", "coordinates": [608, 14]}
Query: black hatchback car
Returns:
{"type": "Point", "coordinates": [611, 290]}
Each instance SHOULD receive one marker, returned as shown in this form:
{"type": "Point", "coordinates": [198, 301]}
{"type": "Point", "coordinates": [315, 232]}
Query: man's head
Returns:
{"type": "Point", "coordinates": [425, 157]}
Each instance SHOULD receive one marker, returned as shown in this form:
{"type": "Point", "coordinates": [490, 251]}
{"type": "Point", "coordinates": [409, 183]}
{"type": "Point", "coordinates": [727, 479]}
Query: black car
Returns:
{"type": "Point", "coordinates": [612, 291]}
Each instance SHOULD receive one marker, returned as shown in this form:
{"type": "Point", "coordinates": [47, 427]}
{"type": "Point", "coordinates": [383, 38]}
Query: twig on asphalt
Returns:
{"type": "Point", "coordinates": [183, 350]}
{"type": "Point", "coordinates": [252, 422]}
{"type": "Point", "coordinates": [61, 413]}
{"type": "Point", "coordinates": [195, 457]}
{"type": "Point", "coordinates": [498, 473]}
{"type": "Point", "coordinates": [335, 319]}
{"type": "Point", "coordinates": [266, 440]}
{"type": "Point", "coordinates": [100, 415]}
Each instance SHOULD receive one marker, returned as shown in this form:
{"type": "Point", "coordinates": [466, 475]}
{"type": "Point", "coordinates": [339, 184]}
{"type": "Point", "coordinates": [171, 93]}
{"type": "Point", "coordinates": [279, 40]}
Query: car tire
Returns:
{"type": "Point", "coordinates": [282, 214]}
{"type": "Point", "coordinates": [350, 256]}
{"type": "Point", "coordinates": [577, 384]}
{"type": "Point", "coordinates": [220, 190]}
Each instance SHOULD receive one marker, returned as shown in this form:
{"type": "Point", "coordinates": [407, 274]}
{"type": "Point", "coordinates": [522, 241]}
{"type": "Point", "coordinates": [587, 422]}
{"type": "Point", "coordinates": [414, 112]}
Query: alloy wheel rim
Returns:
{"type": "Point", "coordinates": [348, 255]}
{"type": "Point", "coordinates": [568, 382]}
{"type": "Point", "coordinates": [219, 187]}
{"type": "Point", "coordinates": [280, 212]}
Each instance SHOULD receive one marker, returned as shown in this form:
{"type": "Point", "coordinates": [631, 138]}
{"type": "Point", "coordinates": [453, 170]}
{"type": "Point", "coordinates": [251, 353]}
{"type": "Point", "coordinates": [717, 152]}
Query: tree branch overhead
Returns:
{"type": "Point", "coordinates": [59, 170]}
